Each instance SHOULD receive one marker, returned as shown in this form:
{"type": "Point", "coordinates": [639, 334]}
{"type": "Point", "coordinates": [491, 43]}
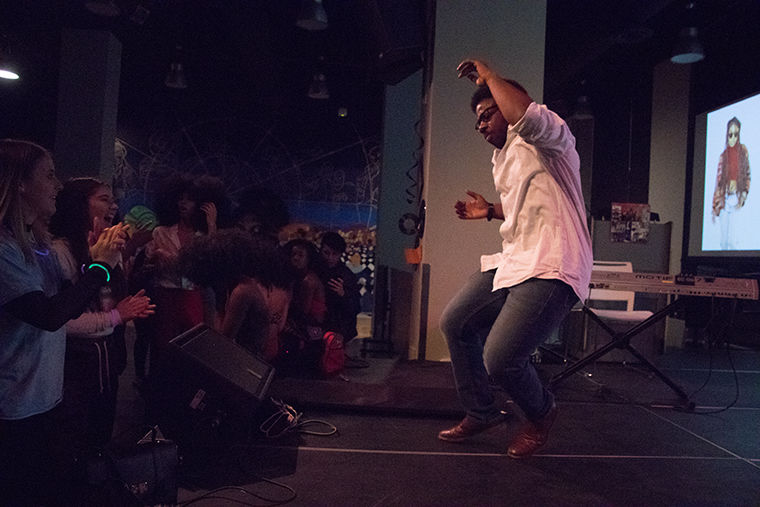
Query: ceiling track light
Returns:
{"type": "Point", "coordinates": [582, 109]}
{"type": "Point", "coordinates": [140, 14]}
{"type": "Point", "coordinates": [318, 88]}
{"type": "Point", "coordinates": [105, 8]}
{"type": "Point", "coordinates": [175, 78]}
{"type": "Point", "coordinates": [312, 16]}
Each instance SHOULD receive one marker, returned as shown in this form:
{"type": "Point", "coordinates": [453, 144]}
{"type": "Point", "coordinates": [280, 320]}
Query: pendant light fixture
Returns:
{"type": "Point", "coordinates": [175, 78]}
{"type": "Point", "coordinates": [318, 87]}
{"type": "Point", "coordinates": [105, 8]}
{"type": "Point", "coordinates": [688, 49]}
{"type": "Point", "coordinates": [312, 16]}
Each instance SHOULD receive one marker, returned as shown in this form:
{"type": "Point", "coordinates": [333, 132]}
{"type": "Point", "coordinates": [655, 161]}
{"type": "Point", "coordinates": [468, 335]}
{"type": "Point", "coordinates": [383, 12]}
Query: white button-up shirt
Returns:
{"type": "Point", "coordinates": [545, 232]}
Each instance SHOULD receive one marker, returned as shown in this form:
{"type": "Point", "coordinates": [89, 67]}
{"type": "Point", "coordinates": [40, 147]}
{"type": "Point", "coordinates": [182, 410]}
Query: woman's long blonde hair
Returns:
{"type": "Point", "coordinates": [17, 162]}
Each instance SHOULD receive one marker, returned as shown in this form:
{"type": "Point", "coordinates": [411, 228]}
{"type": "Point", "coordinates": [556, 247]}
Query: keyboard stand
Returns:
{"type": "Point", "coordinates": [623, 341]}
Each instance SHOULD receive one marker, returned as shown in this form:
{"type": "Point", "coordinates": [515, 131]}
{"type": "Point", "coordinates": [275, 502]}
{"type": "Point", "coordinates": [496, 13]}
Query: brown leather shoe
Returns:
{"type": "Point", "coordinates": [469, 427]}
{"type": "Point", "coordinates": [532, 436]}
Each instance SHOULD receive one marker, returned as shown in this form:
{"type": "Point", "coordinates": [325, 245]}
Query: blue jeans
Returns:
{"type": "Point", "coordinates": [493, 333]}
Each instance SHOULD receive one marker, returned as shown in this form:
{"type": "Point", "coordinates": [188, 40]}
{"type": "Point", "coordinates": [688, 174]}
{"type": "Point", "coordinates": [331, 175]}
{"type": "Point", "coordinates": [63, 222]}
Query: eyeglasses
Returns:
{"type": "Point", "coordinates": [486, 115]}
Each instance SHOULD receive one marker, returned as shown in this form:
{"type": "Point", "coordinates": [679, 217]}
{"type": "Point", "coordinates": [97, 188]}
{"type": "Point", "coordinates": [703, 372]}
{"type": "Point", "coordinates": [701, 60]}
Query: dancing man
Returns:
{"type": "Point", "coordinates": [521, 294]}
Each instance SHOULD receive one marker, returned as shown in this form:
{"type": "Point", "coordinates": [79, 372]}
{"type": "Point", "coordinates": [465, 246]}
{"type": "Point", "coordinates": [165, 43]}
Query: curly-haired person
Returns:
{"type": "Point", "coordinates": [251, 284]}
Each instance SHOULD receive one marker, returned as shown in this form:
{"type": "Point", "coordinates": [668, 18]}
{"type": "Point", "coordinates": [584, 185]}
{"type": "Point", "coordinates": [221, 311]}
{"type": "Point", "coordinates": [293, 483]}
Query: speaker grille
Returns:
{"type": "Point", "coordinates": [223, 359]}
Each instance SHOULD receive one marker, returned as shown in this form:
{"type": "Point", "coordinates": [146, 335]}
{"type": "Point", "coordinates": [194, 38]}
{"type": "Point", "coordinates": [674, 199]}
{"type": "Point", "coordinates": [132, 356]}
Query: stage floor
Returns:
{"type": "Point", "coordinates": [620, 439]}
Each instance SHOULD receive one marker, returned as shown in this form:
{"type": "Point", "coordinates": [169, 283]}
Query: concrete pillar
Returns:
{"type": "Point", "coordinates": [510, 35]}
{"type": "Point", "coordinates": [88, 96]}
{"type": "Point", "coordinates": [667, 163]}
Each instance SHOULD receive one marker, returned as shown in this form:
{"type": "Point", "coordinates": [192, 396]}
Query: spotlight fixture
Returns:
{"type": "Point", "coordinates": [312, 16]}
{"type": "Point", "coordinates": [175, 78]}
{"type": "Point", "coordinates": [318, 88]}
{"type": "Point", "coordinates": [582, 110]}
{"type": "Point", "coordinates": [8, 69]}
{"type": "Point", "coordinates": [688, 49]}
{"type": "Point", "coordinates": [105, 8]}
{"type": "Point", "coordinates": [140, 15]}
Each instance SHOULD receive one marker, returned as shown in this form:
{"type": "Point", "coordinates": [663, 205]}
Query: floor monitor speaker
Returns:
{"type": "Point", "coordinates": [218, 369]}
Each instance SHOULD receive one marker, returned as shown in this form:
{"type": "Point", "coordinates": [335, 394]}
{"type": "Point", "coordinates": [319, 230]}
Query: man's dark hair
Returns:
{"type": "Point", "coordinates": [483, 92]}
{"type": "Point", "coordinates": [334, 240]}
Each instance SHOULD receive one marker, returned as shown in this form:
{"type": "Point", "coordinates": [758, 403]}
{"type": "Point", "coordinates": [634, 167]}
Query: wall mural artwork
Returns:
{"type": "Point", "coordinates": [327, 185]}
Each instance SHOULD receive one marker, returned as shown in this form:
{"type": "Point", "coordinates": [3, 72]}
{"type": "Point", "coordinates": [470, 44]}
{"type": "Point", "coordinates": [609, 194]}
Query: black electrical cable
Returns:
{"type": "Point", "coordinates": [414, 173]}
{"type": "Point", "coordinates": [721, 336]}
{"type": "Point", "coordinates": [286, 420]}
{"type": "Point", "coordinates": [213, 494]}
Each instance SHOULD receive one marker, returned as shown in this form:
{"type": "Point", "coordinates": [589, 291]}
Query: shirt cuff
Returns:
{"type": "Point", "coordinates": [115, 318]}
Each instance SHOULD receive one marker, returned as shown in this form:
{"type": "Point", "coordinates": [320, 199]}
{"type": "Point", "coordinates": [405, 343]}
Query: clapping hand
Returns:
{"type": "Point", "coordinates": [107, 246]}
{"type": "Point", "coordinates": [98, 226]}
{"type": "Point", "coordinates": [137, 306]}
{"type": "Point", "coordinates": [476, 207]}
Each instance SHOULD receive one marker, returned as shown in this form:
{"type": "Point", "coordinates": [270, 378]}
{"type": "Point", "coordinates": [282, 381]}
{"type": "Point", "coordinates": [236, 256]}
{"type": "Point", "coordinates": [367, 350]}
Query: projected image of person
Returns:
{"type": "Point", "coordinates": [732, 184]}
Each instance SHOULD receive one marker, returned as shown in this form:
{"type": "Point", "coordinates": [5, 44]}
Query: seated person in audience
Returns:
{"type": "Point", "coordinates": [309, 306]}
{"type": "Point", "coordinates": [95, 348]}
{"type": "Point", "coordinates": [302, 339]}
{"type": "Point", "coordinates": [36, 466]}
{"type": "Point", "coordinates": [342, 290]}
{"type": "Point", "coordinates": [251, 283]}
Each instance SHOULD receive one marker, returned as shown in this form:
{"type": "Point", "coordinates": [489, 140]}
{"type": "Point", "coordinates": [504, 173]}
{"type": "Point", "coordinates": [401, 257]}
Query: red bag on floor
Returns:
{"type": "Point", "coordinates": [333, 355]}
